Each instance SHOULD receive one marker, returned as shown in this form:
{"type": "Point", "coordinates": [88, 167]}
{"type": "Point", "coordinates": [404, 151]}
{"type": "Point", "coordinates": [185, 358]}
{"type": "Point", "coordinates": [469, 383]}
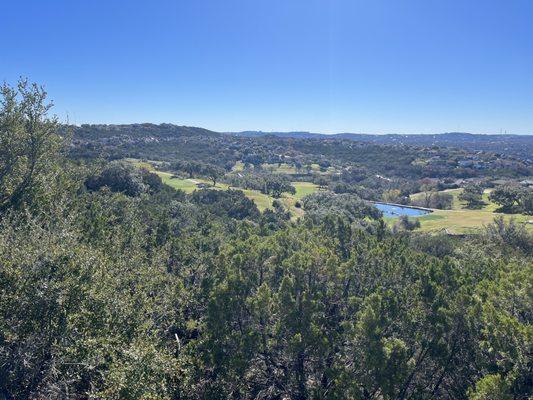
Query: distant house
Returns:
{"type": "Point", "coordinates": [458, 182]}
{"type": "Point", "coordinates": [434, 160]}
{"type": "Point", "coordinates": [465, 163]}
{"type": "Point", "coordinates": [500, 182]}
{"type": "Point", "coordinates": [527, 182]}
{"type": "Point", "coordinates": [202, 185]}
{"type": "Point", "coordinates": [384, 178]}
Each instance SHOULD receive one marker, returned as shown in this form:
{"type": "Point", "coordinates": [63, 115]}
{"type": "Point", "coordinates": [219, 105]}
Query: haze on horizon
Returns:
{"type": "Point", "coordinates": [378, 66]}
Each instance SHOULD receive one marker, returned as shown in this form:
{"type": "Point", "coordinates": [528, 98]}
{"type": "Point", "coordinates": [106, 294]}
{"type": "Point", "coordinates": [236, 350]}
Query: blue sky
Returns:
{"type": "Point", "coordinates": [376, 66]}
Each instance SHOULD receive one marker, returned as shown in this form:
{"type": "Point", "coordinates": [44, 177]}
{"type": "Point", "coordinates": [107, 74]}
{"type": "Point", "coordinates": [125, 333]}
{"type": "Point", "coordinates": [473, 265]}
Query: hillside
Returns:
{"type": "Point", "coordinates": [402, 156]}
{"type": "Point", "coordinates": [517, 145]}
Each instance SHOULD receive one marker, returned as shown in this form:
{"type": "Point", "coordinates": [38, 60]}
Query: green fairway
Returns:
{"type": "Point", "coordinates": [461, 205]}
{"type": "Point", "coordinates": [464, 221]}
{"type": "Point", "coordinates": [140, 164]}
{"type": "Point", "coordinates": [188, 185]}
{"type": "Point", "coordinates": [460, 220]}
{"type": "Point", "coordinates": [287, 169]}
{"type": "Point", "coordinates": [262, 200]}
{"type": "Point", "coordinates": [280, 169]}
{"type": "Point", "coordinates": [238, 167]}
{"type": "Point", "coordinates": [304, 188]}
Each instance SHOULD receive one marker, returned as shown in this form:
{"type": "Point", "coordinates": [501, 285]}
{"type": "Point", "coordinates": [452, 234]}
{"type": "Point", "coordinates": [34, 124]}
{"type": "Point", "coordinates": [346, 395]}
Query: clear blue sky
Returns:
{"type": "Point", "coordinates": [396, 66]}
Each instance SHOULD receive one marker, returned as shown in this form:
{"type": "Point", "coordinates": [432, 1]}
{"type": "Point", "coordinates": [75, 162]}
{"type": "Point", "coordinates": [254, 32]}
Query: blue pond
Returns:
{"type": "Point", "coordinates": [390, 210]}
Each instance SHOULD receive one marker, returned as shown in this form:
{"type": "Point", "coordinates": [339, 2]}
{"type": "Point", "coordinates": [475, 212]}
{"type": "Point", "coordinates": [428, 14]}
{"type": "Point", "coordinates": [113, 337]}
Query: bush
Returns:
{"type": "Point", "coordinates": [119, 177]}
{"type": "Point", "coordinates": [407, 224]}
{"type": "Point", "coordinates": [509, 234]}
{"type": "Point", "coordinates": [473, 196]}
{"type": "Point", "coordinates": [321, 204]}
{"type": "Point", "coordinates": [231, 203]}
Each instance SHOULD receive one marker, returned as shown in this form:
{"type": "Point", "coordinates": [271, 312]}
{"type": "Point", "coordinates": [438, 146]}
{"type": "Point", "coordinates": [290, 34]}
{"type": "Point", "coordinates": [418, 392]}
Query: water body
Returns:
{"type": "Point", "coordinates": [395, 211]}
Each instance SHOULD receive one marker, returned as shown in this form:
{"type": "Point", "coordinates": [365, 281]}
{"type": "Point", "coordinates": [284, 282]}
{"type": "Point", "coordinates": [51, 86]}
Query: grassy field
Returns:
{"type": "Point", "coordinates": [190, 185]}
{"type": "Point", "coordinates": [140, 164]}
{"type": "Point", "coordinates": [460, 220]}
{"type": "Point", "coordinates": [238, 167]}
{"type": "Point", "coordinates": [262, 201]}
{"type": "Point", "coordinates": [187, 185]}
{"type": "Point", "coordinates": [291, 170]}
{"type": "Point", "coordinates": [281, 169]}
{"type": "Point", "coordinates": [304, 188]}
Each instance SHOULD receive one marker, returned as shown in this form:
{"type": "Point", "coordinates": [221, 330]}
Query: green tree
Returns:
{"type": "Point", "coordinates": [526, 201]}
{"type": "Point", "coordinates": [119, 176]}
{"type": "Point", "coordinates": [504, 305]}
{"type": "Point", "coordinates": [429, 191]}
{"type": "Point", "coordinates": [29, 144]}
{"type": "Point", "coordinates": [214, 173]}
{"type": "Point", "coordinates": [472, 195]}
{"type": "Point", "coordinates": [392, 196]}
{"type": "Point", "coordinates": [277, 184]}
{"type": "Point", "coordinates": [490, 387]}
{"type": "Point", "coordinates": [506, 196]}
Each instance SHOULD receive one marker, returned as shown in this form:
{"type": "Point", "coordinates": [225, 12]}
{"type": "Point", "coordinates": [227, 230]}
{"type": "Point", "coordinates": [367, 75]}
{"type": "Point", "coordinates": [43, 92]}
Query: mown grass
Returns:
{"type": "Point", "coordinates": [190, 185]}
{"type": "Point", "coordinates": [287, 169]}
{"type": "Point", "coordinates": [140, 164]}
{"type": "Point", "coordinates": [261, 200]}
{"type": "Point", "coordinates": [461, 205]}
{"type": "Point", "coordinates": [304, 188]}
{"type": "Point", "coordinates": [238, 167]}
{"type": "Point", "coordinates": [460, 220]}
{"type": "Point", "coordinates": [281, 169]}
{"type": "Point", "coordinates": [465, 221]}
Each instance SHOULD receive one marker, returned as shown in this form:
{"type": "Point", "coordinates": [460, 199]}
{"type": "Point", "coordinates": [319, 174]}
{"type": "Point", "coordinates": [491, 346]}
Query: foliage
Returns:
{"type": "Point", "coordinates": [322, 204]}
{"type": "Point", "coordinates": [119, 177]}
{"type": "Point", "coordinates": [270, 184]}
{"type": "Point", "coordinates": [510, 235]}
{"type": "Point", "coordinates": [232, 203]}
{"type": "Point", "coordinates": [407, 224]}
{"type": "Point", "coordinates": [137, 291]}
{"type": "Point", "coordinates": [513, 198]}
{"type": "Point", "coordinates": [29, 144]}
{"type": "Point", "coordinates": [438, 200]}
{"type": "Point", "coordinates": [473, 196]}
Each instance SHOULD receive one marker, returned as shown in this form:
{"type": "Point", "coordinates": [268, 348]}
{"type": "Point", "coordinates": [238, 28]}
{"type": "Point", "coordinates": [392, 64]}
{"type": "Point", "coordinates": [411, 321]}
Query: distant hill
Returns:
{"type": "Point", "coordinates": [517, 145]}
{"type": "Point", "coordinates": [295, 135]}
{"type": "Point", "coordinates": [99, 131]}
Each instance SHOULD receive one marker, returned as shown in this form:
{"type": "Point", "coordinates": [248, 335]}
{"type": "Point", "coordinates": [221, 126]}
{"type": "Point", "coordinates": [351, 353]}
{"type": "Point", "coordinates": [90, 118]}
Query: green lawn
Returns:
{"type": "Point", "coordinates": [280, 169]}
{"type": "Point", "coordinates": [456, 221]}
{"type": "Point", "coordinates": [189, 185]}
{"type": "Point", "coordinates": [461, 205]}
{"type": "Point", "coordinates": [140, 164]}
{"type": "Point", "coordinates": [291, 170]}
{"type": "Point", "coordinates": [304, 188]}
{"type": "Point", "coordinates": [464, 221]}
{"type": "Point", "coordinates": [186, 184]}
{"type": "Point", "coordinates": [238, 167]}
{"type": "Point", "coordinates": [329, 170]}
{"type": "Point", "coordinates": [460, 220]}
{"type": "Point", "coordinates": [262, 201]}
